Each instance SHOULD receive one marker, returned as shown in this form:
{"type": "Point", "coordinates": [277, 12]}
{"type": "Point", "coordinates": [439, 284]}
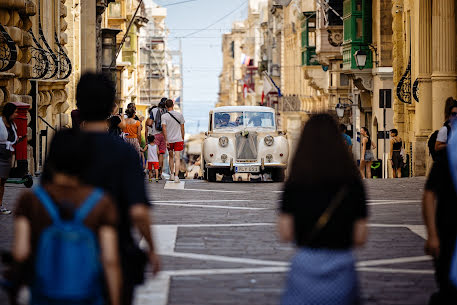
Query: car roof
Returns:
{"type": "Point", "coordinates": [243, 108]}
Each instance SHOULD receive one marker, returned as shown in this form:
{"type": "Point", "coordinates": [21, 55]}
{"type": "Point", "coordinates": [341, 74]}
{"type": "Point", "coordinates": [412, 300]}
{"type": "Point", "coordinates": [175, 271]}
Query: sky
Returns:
{"type": "Point", "coordinates": [202, 53]}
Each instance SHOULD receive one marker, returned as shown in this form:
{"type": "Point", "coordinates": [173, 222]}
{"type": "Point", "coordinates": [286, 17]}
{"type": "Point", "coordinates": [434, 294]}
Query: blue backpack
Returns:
{"type": "Point", "coordinates": [68, 269]}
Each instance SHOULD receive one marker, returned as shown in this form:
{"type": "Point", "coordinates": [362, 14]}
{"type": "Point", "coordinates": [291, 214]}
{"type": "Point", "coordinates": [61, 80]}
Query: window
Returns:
{"type": "Point", "coordinates": [344, 80]}
{"type": "Point", "coordinates": [359, 28]}
{"type": "Point", "coordinates": [358, 5]}
{"type": "Point", "coordinates": [115, 10]}
{"type": "Point", "coordinates": [311, 39]}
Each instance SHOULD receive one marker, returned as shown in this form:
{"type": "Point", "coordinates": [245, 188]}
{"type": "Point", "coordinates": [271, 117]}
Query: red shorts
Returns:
{"type": "Point", "coordinates": [154, 165]}
{"type": "Point", "coordinates": [159, 140]}
{"type": "Point", "coordinates": [177, 146]}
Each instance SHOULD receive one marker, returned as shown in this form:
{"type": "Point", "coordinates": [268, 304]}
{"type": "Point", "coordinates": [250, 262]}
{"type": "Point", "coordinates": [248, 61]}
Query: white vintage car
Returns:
{"type": "Point", "coordinates": [243, 144]}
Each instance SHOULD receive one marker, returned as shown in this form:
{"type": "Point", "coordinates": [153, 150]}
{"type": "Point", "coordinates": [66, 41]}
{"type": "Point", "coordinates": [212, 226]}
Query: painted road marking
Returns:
{"type": "Point", "coordinates": [214, 191]}
{"type": "Point", "coordinates": [416, 229]}
{"type": "Point", "coordinates": [393, 202]}
{"type": "Point", "coordinates": [171, 185]}
{"type": "Point", "coordinates": [156, 290]}
{"type": "Point", "coordinates": [210, 206]}
{"type": "Point", "coordinates": [197, 201]}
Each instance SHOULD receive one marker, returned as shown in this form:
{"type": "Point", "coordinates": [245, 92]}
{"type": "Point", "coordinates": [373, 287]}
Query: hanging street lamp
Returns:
{"type": "Point", "coordinates": [360, 58]}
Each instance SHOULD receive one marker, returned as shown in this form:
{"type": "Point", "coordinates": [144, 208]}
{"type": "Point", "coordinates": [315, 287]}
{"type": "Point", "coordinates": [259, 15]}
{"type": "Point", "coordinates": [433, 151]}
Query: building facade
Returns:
{"type": "Point", "coordinates": [309, 60]}
{"type": "Point", "coordinates": [424, 52]}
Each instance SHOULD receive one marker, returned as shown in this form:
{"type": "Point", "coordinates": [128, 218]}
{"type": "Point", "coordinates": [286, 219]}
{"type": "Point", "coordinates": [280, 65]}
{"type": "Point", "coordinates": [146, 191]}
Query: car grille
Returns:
{"type": "Point", "coordinates": [246, 147]}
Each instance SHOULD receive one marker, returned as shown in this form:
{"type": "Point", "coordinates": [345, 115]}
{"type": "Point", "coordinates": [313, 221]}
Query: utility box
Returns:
{"type": "Point", "coordinates": [376, 169]}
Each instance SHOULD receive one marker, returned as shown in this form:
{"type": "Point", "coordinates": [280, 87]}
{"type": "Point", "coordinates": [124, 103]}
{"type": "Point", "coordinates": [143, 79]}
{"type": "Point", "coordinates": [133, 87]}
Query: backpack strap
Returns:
{"type": "Point", "coordinates": [174, 118]}
{"type": "Point", "coordinates": [88, 205]}
{"type": "Point", "coordinates": [47, 202]}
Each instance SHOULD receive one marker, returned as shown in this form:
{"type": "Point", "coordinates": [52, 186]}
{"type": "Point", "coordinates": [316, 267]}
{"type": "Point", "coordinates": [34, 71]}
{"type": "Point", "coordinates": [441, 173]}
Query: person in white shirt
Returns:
{"type": "Point", "coordinates": [173, 132]}
{"type": "Point", "coordinates": [153, 157]}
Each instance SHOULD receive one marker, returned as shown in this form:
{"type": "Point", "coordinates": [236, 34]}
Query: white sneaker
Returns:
{"type": "Point", "coordinates": [177, 179]}
{"type": "Point", "coordinates": [172, 177]}
{"type": "Point", "coordinates": [4, 211]}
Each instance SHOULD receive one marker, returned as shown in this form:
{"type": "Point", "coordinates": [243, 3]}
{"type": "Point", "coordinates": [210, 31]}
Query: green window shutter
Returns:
{"type": "Point", "coordinates": [304, 37]}
{"type": "Point", "coordinates": [367, 21]}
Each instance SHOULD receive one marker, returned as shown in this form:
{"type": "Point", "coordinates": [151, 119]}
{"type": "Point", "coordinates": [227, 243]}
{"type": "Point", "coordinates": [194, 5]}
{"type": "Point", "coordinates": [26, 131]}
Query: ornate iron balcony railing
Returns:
{"type": "Point", "coordinates": [65, 67]}
{"type": "Point", "coordinates": [39, 59]}
{"type": "Point", "coordinates": [52, 58]}
{"type": "Point", "coordinates": [404, 85]}
{"type": "Point", "coordinates": [8, 51]}
{"type": "Point", "coordinates": [416, 90]}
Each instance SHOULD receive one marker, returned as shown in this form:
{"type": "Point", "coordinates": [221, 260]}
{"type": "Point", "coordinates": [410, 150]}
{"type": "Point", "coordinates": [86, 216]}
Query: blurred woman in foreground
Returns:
{"type": "Point", "coordinates": [323, 210]}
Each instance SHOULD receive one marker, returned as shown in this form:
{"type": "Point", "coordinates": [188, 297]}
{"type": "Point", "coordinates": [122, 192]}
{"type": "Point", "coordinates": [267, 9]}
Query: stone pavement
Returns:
{"type": "Point", "coordinates": [219, 244]}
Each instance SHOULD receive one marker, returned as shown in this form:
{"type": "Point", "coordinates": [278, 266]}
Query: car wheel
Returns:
{"type": "Point", "coordinates": [211, 174]}
{"type": "Point", "coordinates": [278, 175]}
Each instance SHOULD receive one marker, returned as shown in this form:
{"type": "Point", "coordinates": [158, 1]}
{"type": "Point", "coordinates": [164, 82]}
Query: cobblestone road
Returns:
{"type": "Point", "coordinates": [219, 244]}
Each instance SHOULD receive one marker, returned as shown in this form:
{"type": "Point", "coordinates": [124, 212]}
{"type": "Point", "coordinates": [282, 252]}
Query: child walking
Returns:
{"type": "Point", "coordinates": [153, 158]}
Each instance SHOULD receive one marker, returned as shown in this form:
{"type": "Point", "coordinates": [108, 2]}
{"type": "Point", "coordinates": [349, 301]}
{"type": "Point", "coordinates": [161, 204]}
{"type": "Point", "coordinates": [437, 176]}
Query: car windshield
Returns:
{"type": "Point", "coordinates": [259, 119]}
{"type": "Point", "coordinates": [228, 119]}
{"type": "Point", "coordinates": [247, 119]}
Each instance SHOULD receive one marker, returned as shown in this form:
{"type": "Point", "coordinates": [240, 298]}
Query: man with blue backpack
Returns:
{"type": "Point", "coordinates": [65, 233]}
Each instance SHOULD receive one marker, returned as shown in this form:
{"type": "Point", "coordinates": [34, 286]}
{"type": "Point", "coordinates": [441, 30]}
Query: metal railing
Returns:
{"type": "Point", "coordinates": [8, 51]}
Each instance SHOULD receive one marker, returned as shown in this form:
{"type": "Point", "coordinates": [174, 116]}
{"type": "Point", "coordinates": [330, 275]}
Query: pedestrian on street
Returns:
{"type": "Point", "coordinates": [114, 166]}
{"type": "Point", "coordinates": [323, 210]}
{"type": "Point", "coordinates": [132, 130]}
{"type": "Point", "coordinates": [367, 156]}
{"type": "Point", "coordinates": [450, 114]}
{"type": "Point", "coordinates": [154, 123]}
{"type": "Point", "coordinates": [173, 132]}
{"type": "Point", "coordinates": [347, 139]}
{"type": "Point", "coordinates": [153, 158]}
{"type": "Point", "coordinates": [8, 137]}
{"type": "Point", "coordinates": [396, 158]}
{"type": "Point", "coordinates": [40, 259]}
{"type": "Point", "coordinates": [116, 122]}
{"type": "Point", "coordinates": [439, 207]}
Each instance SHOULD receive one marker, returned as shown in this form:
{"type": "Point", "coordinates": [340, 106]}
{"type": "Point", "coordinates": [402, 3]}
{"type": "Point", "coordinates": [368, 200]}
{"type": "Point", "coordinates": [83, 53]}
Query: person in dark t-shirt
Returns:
{"type": "Point", "coordinates": [439, 208]}
{"type": "Point", "coordinates": [323, 210]}
{"type": "Point", "coordinates": [115, 167]}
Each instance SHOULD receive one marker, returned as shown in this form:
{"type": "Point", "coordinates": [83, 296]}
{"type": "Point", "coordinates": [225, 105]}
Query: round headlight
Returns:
{"type": "Point", "coordinates": [269, 140]}
{"type": "Point", "coordinates": [223, 141]}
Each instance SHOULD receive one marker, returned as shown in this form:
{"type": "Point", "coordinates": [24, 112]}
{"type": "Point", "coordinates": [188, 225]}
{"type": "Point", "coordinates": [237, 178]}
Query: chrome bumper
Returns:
{"type": "Point", "coordinates": [228, 165]}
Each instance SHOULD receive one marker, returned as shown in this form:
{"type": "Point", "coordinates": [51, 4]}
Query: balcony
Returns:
{"type": "Point", "coordinates": [357, 22]}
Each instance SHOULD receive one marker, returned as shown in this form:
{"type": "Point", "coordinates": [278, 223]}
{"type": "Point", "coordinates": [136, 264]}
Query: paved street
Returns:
{"type": "Point", "coordinates": [219, 244]}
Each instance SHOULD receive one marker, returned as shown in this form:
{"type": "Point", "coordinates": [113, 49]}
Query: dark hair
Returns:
{"type": "Point", "coordinates": [343, 128]}
{"type": "Point", "coordinates": [131, 106]}
{"type": "Point", "coordinates": [450, 103]}
{"type": "Point", "coordinates": [394, 131]}
{"type": "Point", "coordinates": [8, 111]}
{"type": "Point", "coordinates": [70, 153]}
{"type": "Point", "coordinates": [151, 138]}
{"type": "Point", "coordinates": [95, 96]}
{"type": "Point", "coordinates": [169, 103]}
{"type": "Point", "coordinates": [366, 130]}
{"type": "Point", "coordinates": [320, 142]}
{"type": "Point", "coordinates": [130, 112]}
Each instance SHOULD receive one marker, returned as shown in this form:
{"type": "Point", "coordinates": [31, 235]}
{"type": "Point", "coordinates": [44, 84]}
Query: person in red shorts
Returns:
{"type": "Point", "coordinates": [153, 158]}
{"type": "Point", "coordinates": [173, 132]}
{"type": "Point", "coordinates": [154, 127]}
